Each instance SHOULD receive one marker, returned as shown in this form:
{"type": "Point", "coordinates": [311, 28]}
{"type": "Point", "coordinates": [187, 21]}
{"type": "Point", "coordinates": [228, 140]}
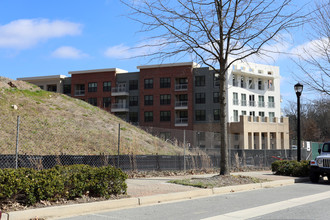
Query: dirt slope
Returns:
{"type": "Point", "coordinates": [52, 123]}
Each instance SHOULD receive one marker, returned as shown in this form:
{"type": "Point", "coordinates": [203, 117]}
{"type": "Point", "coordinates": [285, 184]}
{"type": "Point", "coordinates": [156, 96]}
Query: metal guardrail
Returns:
{"type": "Point", "coordinates": [181, 87]}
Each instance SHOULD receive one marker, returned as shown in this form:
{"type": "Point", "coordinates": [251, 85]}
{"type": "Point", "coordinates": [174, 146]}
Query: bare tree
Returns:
{"type": "Point", "coordinates": [314, 117]}
{"type": "Point", "coordinates": [210, 31]}
{"type": "Point", "coordinates": [314, 62]}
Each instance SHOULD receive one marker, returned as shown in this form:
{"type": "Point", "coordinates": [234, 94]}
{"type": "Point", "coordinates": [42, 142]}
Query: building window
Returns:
{"type": "Point", "coordinates": [41, 87]}
{"type": "Point", "coordinates": [251, 102]}
{"type": "Point", "coordinates": [260, 86]}
{"type": "Point", "coordinates": [261, 102]}
{"type": "Point", "coordinates": [92, 101]}
{"type": "Point", "coordinates": [133, 117]}
{"type": "Point", "coordinates": [79, 90]}
{"type": "Point", "coordinates": [51, 88]}
{"type": "Point", "coordinates": [200, 115]}
{"type": "Point", "coordinates": [270, 85]}
{"type": "Point", "coordinates": [243, 112]}
{"type": "Point", "coordinates": [183, 114]}
{"type": "Point", "coordinates": [200, 98]}
{"type": "Point", "coordinates": [235, 116]}
{"type": "Point", "coordinates": [251, 83]}
{"type": "Point", "coordinates": [165, 99]}
{"type": "Point", "coordinates": [216, 79]}
{"type": "Point", "coordinates": [148, 116]}
{"type": "Point", "coordinates": [236, 136]}
{"type": "Point", "coordinates": [243, 99]}
{"type": "Point", "coordinates": [165, 82]}
{"type": "Point", "coordinates": [148, 83]}
{"type": "Point", "coordinates": [133, 101]}
{"type": "Point", "coordinates": [107, 86]}
{"type": "Point", "coordinates": [106, 102]}
{"type": "Point", "coordinates": [148, 100]}
{"type": "Point", "coordinates": [67, 89]}
{"type": "Point", "coordinates": [252, 113]}
{"type": "Point", "coordinates": [234, 81]}
{"type": "Point", "coordinates": [133, 85]}
{"type": "Point", "coordinates": [242, 82]}
{"type": "Point", "coordinates": [165, 116]}
{"type": "Point", "coordinates": [271, 116]}
{"type": "Point", "coordinates": [216, 114]}
{"type": "Point", "coordinates": [216, 97]}
{"type": "Point", "coordinates": [182, 81]}
{"type": "Point", "coordinates": [92, 87]}
{"type": "Point", "coordinates": [271, 103]}
{"type": "Point", "coordinates": [199, 80]}
{"type": "Point", "coordinates": [235, 98]}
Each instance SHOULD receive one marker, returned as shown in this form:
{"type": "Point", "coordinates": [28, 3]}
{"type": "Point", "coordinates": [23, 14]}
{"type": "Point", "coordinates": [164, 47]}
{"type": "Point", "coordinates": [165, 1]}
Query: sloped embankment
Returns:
{"type": "Point", "coordinates": [52, 123]}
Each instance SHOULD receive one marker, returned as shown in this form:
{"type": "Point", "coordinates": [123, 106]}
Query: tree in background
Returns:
{"type": "Point", "coordinates": [314, 62]}
{"type": "Point", "coordinates": [211, 31]}
{"type": "Point", "coordinates": [314, 120]}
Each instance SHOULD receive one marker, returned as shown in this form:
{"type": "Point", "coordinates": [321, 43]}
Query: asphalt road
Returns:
{"type": "Point", "coordinates": [298, 201]}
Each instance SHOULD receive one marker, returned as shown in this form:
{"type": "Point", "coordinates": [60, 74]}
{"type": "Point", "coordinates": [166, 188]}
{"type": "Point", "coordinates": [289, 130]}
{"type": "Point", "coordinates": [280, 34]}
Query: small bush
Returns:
{"type": "Point", "coordinates": [28, 186]}
{"type": "Point", "coordinates": [291, 168]}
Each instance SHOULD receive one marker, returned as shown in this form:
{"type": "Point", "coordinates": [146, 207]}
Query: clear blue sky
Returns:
{"type": "Point", "coordinates": [52, 37]}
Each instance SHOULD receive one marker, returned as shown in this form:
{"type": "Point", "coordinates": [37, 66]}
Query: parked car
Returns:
{"type": "Point", "coordinates": [321, 165]}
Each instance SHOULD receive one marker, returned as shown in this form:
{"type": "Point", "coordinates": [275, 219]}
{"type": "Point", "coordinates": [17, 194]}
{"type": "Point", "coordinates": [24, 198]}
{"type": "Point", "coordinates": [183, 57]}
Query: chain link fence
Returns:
{"type": "Point", "coordinates": [30, 142]}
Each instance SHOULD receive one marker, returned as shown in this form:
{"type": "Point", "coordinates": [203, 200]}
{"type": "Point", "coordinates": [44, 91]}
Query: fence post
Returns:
{"type": "Point", "coordinates": [265, 163]}
{"type": "Point", "coordinates": [184, 150]}
{"type": "Point", "coordinates": [118, 145]}
{"type": "Point", "coordinates": [17, 142]}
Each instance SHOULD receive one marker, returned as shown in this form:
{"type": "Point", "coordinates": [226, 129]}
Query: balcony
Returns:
{"type": "Point", "coordinates": [252, 103]}
{"type": "Point", "coordinates": [119, 91]}
{"type": "Point", "coordinates": [235, 101]}
{"type": "Point", "coordinates": [78, 92]}
{"type": "Point", "coordinates": [261, 104]}
{"type": "Point", "coordinates": [243, 102]}
{"type": "Point", "coordinates": [271, 104]}
{"type": "Point", "coordinates": [119, 107]}
{"type": "Point", "coordinates": [181, 122]}
{"type": "Point", "coordinates": [181, 87]}
{"type": "Point", "coordinates": [181, 105]}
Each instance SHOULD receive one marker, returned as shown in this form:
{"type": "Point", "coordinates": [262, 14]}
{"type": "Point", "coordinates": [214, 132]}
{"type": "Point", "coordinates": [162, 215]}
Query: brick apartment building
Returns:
{"type": "Point", "coordinates": [186, 96]}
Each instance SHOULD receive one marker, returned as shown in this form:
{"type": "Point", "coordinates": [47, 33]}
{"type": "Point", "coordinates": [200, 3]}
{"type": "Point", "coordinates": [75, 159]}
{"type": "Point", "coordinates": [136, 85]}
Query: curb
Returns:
{"type": "Point", "coordinates": [86, 208]}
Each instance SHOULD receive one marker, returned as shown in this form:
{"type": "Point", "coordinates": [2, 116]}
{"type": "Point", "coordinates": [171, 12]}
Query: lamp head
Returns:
{"type": "Point", "coordinates": [298, 88]}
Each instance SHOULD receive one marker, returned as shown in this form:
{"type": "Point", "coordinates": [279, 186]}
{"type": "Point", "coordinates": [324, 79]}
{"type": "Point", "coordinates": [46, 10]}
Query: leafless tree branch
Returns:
{"type": "Point", "coordinates": [212, 31]}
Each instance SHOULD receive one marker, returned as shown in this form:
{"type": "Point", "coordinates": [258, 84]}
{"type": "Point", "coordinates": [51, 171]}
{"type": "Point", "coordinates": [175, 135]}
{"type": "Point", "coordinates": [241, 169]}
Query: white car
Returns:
{"type": "Point", "coordinates": [321, 165]}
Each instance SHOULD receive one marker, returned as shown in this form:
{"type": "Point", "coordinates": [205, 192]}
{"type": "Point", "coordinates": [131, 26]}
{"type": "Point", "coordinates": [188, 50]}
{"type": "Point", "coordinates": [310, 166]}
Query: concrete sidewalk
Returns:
{"type": "Point", "coordinates": [146, 191]}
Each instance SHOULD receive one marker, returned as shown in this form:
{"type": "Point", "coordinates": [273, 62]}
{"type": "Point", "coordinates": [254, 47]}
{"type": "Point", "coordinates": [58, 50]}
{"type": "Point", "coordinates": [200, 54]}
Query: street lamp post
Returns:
{"type": "Point", "coordinates": [298, 88]}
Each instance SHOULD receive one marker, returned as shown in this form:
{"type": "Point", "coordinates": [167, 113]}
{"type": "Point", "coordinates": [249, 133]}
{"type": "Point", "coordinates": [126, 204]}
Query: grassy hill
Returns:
{"type": "Point", "coordinates": [52, 123]}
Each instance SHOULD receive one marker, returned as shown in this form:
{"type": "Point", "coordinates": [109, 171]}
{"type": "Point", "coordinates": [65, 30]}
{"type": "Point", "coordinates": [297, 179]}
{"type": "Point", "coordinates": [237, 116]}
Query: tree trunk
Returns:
{"type": "Point", "coordinates": [224, 169]}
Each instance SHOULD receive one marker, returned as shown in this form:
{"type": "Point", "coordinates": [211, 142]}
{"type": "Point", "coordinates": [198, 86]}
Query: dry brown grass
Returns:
{"type": "Point", "coordinates": [53, 123]}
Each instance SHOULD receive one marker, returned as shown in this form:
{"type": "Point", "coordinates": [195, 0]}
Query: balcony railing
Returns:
{"type": "Point", "coordinates": [243, 102]}
{"type": "Point", "coordinates": [78, 92]}
{"type": "Point", "coordinates": [271, 88]}
{"type": "Point", "coordinates": [236, 84]}
{"type": "Point", "coordinates": [252, 103]}
{"type": "Point", "coordinates": [235, 101]}
{"type": "Point", "coordinates": [119, 107]}
{"type": "Point", "coordinates": [181, 121]}
{"type": "Point", "coordinates": [181, 87]}
{"type": "Point", "coordinates": [181, 104]}
{"type": "Point", "coordinates": [271, 104]}
{"type": "Point", "coordinates": [261, 104]}
{"type": "Point", "coordinates": [119, 91]}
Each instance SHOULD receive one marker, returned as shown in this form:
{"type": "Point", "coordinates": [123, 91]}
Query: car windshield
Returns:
{"type": "Point", "coordinates": [326, 147]}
